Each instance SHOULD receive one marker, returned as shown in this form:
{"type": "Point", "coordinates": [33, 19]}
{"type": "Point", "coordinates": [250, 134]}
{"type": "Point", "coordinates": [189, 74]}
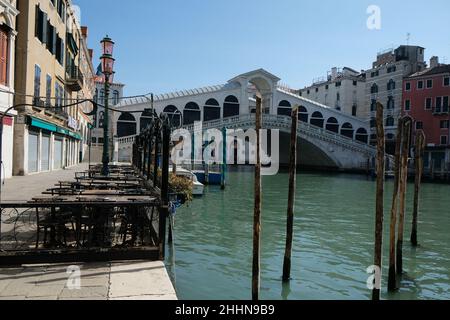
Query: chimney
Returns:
{"type": "Point", "coordinates": [84, 32]}
{"type": "Point", "coordinates": [434, 62]}
{"type": "Point", "coordinates": [333, 73]}
{"type": "Point", "coordinates": [91, 54]}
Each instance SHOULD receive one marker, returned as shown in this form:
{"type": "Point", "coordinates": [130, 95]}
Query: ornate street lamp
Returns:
{"type": "Point", "coordinates": [108, 70]}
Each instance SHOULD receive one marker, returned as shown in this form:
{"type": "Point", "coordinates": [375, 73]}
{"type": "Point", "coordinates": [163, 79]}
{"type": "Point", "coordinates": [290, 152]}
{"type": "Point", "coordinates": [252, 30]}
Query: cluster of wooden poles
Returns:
{"type": "Point", "coordinates": [398, 209]}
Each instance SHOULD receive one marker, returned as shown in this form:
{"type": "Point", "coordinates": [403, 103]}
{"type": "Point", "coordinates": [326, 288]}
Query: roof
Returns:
{"type": "Point", "coordinates": [177, 94]}
{"type": "Point", "coordinates": [440, 69]}
{"type": "Point", "coordinates": [257, 72]}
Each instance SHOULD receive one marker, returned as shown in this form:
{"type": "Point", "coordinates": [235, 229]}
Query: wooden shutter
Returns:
{"type": "Point", "coordinates": [4, 57]}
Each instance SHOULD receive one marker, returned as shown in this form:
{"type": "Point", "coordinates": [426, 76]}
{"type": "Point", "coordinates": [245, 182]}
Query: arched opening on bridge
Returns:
{"type": "Point", "coordinates": [146, 120]}
{"type": "Point", "coordinates": [211, 110]}
{"type": "Point", "coordinates": [303, 114]}
{"type": "Point", "coordinates": [191, 113]}
{"type": "Point", "coordinates": [174, 115]}
{"type": "Point", "coordinates": [362, 135]}
{"type": "Point", "coordinates": [285, 108]}
{"type": "Point", "coordinates": [231, 107]}
{"type": "Point", "coordinates": [317, 119]}
{"type": "Point", "coordinates": [390, 121]}
{"type": "Point", "coordinates": [126, 125]}
{"type": "Point", "coordinates": [347, 130]}
{"type": "Point", "coordinates": [333, 125]}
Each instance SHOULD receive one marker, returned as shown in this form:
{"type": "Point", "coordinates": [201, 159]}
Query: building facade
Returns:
{"type": "Point", "coordinates": [8, 14]}
{"type": "Point", "coordinates": [343, 90]}
{"type": "Point", "coordinates": [384, 84]}
{"type": "Point", "coordinates": [426, 99]}
{"type": "Point", "coordinates": [53, 75]}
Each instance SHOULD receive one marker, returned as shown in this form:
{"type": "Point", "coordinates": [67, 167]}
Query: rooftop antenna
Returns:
{"type": "Point", "coordinates": [408, 37]}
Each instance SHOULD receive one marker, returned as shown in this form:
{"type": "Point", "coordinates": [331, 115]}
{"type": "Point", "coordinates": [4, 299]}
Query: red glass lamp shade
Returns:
{"type": "Point", "coordinates": [107, 57]}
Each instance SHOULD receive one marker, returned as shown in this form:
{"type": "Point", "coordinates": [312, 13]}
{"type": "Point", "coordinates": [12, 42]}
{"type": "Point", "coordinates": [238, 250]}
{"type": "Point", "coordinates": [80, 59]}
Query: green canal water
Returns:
{"type": "Point", "coordinates": [333, 242]}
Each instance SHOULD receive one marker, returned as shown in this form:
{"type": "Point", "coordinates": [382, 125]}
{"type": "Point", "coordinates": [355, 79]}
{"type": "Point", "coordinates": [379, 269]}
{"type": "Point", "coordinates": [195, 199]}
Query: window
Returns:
{"type": "Point", "coordinates": [391, 103]}
{"type": "Point", "coordinates": [48, 91]}
{"type": "Point", "coordinates": [391, 69]}
{"type": "Point", "coordinates": [355, 83]}
{"type": "Point", "coordinates": [317, 89]}
{"type": "Point", "coordinates": [327, 87]}
{"type": "Point", "coordinates": [445, 105]}
{"type": "Point", "coordinates": [375, 74]}
{"type": "Point", "coordinates": [354, 110]}
{"type": "Point", "coordinates": [444, 124]}
{"type": "Point", "coordinates": [307, 92]}
{"type": "Point", "coordinates": [374, 89]}
{"type": "Point", "coordinates": [391, 85]}
{"type": "Point", "coordinates": [59, 50]}
{"type": "Point", "coordinates": [408, 86]}
{"type": "Point", "coordinates": [338, 84]}
{"type": "Point", "coordinates": [446, 81]}
{"type": "Point", "coordinates": [444, 140]}
{"type": "Point", "coordinates": [438, 108]}
{"type": "Point", "coordinates": [338, 96]}
{"type": "Point", "coordinates": [420, 85]}
{"type": "Point", "coordinates": [419, 125]}
{"type": "Point", "coordinates": [115, 97]}
{"type": "Point", "coordinates": [429, 103]}
{"type": "Point", "coordinates": [4, 55]}
{"type": "Point", "coordinates": [408, 105]}
{"type": "Point", "coordinates": [37, 82]}
{"type": "Point", "coordinates": [61, 10]}
{"type": "Point", "coordinates": [429, 84]}
{"type": "Point", "coordinates": [390, 122]}
{"type": "Point", "coordinates": [41, 25]}
{"type": "Point", "coordinates": [373, 105]}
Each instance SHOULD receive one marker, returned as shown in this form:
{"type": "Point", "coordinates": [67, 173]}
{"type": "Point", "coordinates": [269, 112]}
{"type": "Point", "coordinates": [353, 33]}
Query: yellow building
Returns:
{"type": "Point", "coordinates": [53, 70]}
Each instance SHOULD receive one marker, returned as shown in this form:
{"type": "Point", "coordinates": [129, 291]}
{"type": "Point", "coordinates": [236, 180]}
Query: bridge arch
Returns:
{"type": "Point", "coordinates": [174, 115]}
{"type": "Point", "coordinates": [303, 114]}
{"type": "Point", "coordinates": [211, 110]}
{"type": "Point", "coordinates": [284, 108]}
{"type": "Point", "coordinates": [362, 135]}
{"type": "Point", "coordinates": [317, 119]}
{"type": "Point", "coordinates": [126, 125]}
{"type": "Point", "coordinates": [191, 113]}
{"type": "Point", "coordinates": [347, 130]}
{"type": "Point", "coordinates": [231, 106]}
{"type": "Point", "coordinates": [332, 125]}
{"type": "Point", "coordinates": [145, 120]}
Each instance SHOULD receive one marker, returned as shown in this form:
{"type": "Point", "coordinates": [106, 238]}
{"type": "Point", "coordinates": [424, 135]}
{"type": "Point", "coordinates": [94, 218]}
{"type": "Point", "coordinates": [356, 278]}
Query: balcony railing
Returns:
{"type": "Point", "coordinates": [74, 78]}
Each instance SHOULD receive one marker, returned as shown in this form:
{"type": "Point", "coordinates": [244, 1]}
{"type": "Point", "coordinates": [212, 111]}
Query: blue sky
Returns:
{"type": "Point", "coordinates": [167, 45]}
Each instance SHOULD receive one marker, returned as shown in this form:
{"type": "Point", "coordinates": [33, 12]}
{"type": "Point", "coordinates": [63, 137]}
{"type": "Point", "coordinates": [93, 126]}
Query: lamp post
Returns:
{"type": "Point", "coordinates": [108, 70]}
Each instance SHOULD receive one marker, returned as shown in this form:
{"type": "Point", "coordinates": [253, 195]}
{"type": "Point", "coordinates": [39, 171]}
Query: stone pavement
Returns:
{"type": "Point", "coordinates": [135, 280]}
{"type": "Point", "coordinates": [27, 187]}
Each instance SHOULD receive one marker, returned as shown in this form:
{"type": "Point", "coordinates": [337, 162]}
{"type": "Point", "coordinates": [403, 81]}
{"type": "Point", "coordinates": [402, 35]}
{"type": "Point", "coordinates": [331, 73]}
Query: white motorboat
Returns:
{"type": "Point", "coordinates": [198, 188]}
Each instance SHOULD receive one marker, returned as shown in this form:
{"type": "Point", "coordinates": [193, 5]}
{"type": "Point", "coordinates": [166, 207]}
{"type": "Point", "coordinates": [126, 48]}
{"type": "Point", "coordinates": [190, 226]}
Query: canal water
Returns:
{"type": "Point", "coordinates": [333, 244]}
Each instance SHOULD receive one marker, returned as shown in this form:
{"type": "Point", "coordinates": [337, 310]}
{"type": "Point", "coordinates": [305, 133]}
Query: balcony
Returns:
{"type": "Point", "coordinates": [74, 78]}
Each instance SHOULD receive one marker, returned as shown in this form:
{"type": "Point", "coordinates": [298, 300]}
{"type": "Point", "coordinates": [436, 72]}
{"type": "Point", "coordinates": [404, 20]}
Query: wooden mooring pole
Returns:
{"type": "Point", "coordinates": [420, 148]}
{"type": "Point", "coordinates": [406, 141]}
{"type": "Point", "coordinates": [257, 211]}
{"type": "Point", "coordinates": [380, 167]}
{"type": "Point", "coordinates": [392, 280]}
{"type": "Point", "coordinates": [291, 200]}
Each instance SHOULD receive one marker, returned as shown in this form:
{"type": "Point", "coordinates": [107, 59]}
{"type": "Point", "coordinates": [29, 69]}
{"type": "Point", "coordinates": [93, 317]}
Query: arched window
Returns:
{"type": "Point", "coordinates": [102, 95]}
{"type": "Point", "coordinates": [391, 103]}
{"type": "Point", "coordinates": [101, 119]}
{"type": "Point", "coordinates": [231, 107]}
{"type": "Point", "coordinates": [373, 105]}
{"type": "Point", "coordinates": [211, 110]}
{"type": "Point", "coordinates": [145, 120]}
{"type": "Point", "coordinates": [303, 114]}
{"type": "Point", "coordinates": [317, 119]}
{"type": "Point", "coordinates": [191, 113]}
{"type": "Point", "coordinates": [174, 115]}
{"type": "Point", "coordinates": [115, 97]}
{"type": "Point", "coordinates": [333, 125]}
{"type": "Point", "coordinates": [390, 122]}
{"type": "Point", "coordinates": [285, 108]}
{"type": "Point", "coordinates": [362, 135]}
{"type": "Point", "coordinates": [347, 130]}
{"type": "Point", "coordinates": [126, 125]}
{"type": "Point", "coordinates": [374, 89]}
{"type": "Point", "coordinates": [391, 85]}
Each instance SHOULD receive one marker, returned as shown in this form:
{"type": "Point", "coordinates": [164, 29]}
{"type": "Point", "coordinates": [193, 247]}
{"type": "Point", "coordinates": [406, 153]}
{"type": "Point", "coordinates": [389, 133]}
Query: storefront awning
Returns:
{"type": "Point", "coordinates": [37, 123]}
